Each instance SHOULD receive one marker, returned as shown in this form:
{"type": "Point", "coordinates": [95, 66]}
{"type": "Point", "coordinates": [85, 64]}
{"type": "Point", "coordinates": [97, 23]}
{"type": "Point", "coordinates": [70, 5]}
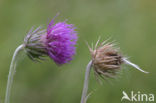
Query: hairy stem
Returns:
{"type": "Point", "coordinates": [11, 72]}
{"type": "Point", "coordinates": [85, 87]}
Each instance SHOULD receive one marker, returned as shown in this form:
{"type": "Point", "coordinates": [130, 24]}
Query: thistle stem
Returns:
{"type": "Point", "coordinates": [85, 87]}
{"type": "Point", "coordinates": [11, 72]}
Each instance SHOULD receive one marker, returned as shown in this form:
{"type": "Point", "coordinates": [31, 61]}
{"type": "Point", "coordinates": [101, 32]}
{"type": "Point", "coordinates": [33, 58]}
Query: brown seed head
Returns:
{"type": "Point", "coordinates": [106, 59]}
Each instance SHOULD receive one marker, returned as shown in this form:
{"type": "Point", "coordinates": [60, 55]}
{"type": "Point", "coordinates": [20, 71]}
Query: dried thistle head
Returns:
{"type": "Point", "coordinates": [107, 60]}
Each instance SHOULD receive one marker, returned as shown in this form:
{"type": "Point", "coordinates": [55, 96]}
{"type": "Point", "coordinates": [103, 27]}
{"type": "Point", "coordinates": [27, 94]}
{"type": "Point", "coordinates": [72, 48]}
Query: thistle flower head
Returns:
{"type": "Point", "coordinates": [58, 42]}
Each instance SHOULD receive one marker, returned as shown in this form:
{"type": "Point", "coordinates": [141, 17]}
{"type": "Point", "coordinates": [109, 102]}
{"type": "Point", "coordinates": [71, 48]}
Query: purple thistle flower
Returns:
{"type": "Point", "coordinates": [57, 41]}
{"type": "Point", "coordinates": [60, 41]}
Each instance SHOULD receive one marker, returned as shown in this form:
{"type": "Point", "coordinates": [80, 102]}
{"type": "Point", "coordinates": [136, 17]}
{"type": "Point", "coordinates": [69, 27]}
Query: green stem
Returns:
{"type": "Point", "coordinates": [85, 87]}
{"type": "Point", "coordinates": [11, 73]}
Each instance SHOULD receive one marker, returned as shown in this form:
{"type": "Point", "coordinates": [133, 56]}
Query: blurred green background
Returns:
{"type": "Point", "coordinates": [131, 23]}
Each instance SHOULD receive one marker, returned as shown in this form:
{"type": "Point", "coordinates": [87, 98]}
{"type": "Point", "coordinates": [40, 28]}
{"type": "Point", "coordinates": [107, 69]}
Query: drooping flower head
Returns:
{"type": "Point", "coordinates": [58, 42]}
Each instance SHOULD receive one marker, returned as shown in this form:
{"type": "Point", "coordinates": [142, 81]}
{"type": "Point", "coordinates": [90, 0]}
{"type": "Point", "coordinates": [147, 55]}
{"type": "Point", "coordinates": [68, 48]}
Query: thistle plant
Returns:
{"type": "Point", "coordinates": [106, 63]}
{"type": "Point", "coordinates": [57, 42]}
